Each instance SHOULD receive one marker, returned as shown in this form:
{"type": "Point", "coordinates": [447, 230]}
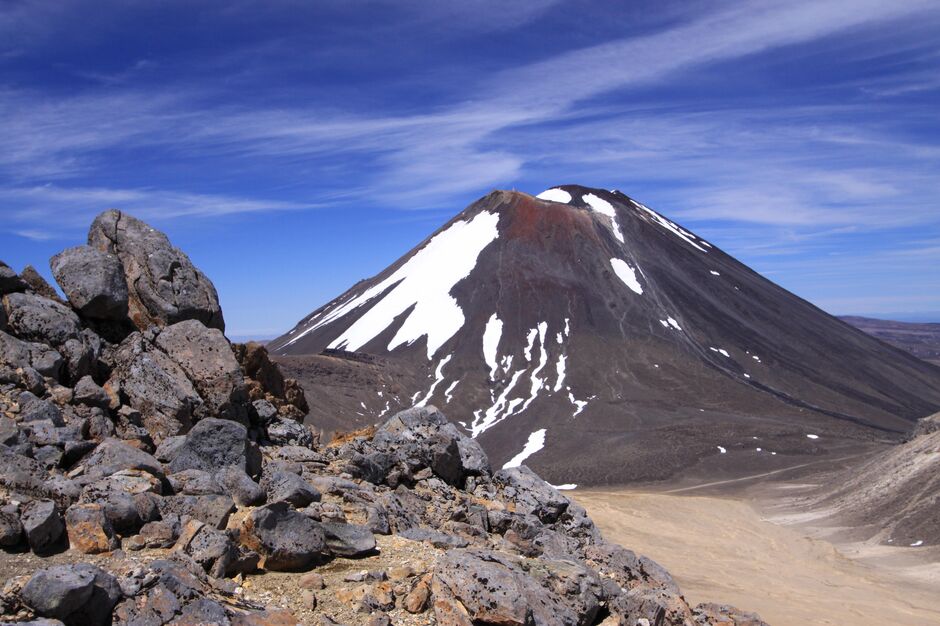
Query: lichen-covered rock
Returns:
{"type": "Point", "coordinates": [206, 357]}
{"type": "Point", "coordinates": [214, 550]}
{"type": "Point", "coordinates": [89, 529]}
{"type": "Point", "coordinates": [164, 286]}
{"type": "Point", "coordinates": [479, 586]}
{"type": "Point", "coordinates": [93, 281]}
{"type": "Point", "coordinates": [34, 318]}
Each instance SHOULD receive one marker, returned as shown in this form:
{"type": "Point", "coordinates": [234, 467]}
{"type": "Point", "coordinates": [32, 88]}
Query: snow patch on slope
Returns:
{"type": "Point", "coordinates": [555, 195]}
{"type": "Point", "coordinates": [560, 370]}
{"type": "Point", "coordinates": [491, 335]}
{"type": "Point", "coordinates": [538, 383]}
{"type": "Point", "coordinates": [627, 274]}
{"type": "Point", "coordinates": [670, 226]}
{"type": "Point", "coordinates": [605, 208]}
{"type": "Point", "coordinates": [500, 410]}
{"type": "Point", "coordinates": [423, 282]}
{"type": "Point", "coordinates": [535, 443]}
{"type": "Point", "coordinates": [438, 379]}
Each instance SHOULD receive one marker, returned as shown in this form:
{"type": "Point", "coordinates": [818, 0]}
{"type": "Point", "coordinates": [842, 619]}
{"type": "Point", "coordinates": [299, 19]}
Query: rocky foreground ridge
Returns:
{"type": "Point", "coordinates": [153, 473]}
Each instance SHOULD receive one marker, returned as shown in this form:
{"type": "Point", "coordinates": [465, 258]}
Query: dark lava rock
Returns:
{"type": "Point", "coordinates": [349, 540]}
{"type": "Point", "coordinates": [164, 286]}
{"type": "Point", "coordinates": [9, 281]}
{"type": "Point", "coordinates": [33, 409]}
{"type": "Point", "coordinates": [289, 487]}
{"type": "Point", "coordinates": [16, 353]}
{"type": "Point", "coordinates": [288, 432]}
{"type": "Point", "coordinates": [11, 530]}
{"type": "Point", "coordinates": [285, 539]}
{"type": "Point", "coordinates": [422, 436]}
{"type": "Point", "coordinates": [213, 444]}
{"type": "Point", "coordinates": [59, 591]}
{"type": "Point", "coordinates": [42, 524]}
{"type": "Point", "coordinates": [212, 510]}
{"type": "Point", "coordinates": [239, 485]}
{"type": "Point", "coordinates": [93, 281]}
{"type": "Point", "coordinates": [113, 455]}
{"type": "Point", "coordinates": [213, 550]}
{"type": "Point", "coordinates": [24, 475]}
{"type": "Point", "coordinates": [194, 483]}
{"type": "Point", "coordinates": [90, 393]}
{"type": "Point", "coordinates": [434, 537]}
{"type": "Point", "coordinates": [531, 494]}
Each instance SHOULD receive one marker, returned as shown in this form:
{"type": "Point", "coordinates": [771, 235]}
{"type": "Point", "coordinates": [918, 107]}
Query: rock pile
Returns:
{"type": "Point", "coordinates": [155, 470]}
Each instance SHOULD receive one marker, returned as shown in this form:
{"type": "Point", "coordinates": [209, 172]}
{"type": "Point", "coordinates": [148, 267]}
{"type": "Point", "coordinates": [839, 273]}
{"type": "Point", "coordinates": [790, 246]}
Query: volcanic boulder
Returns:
{"type": "Point", "coordinates": [164, 286]}
{"type": "Point", "coordinates": [93, 281]}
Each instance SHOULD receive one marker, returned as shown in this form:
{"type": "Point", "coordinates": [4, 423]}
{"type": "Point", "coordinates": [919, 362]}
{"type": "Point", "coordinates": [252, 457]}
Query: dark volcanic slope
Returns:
{"type": "Point", "coordinates": [921, 340]}
{"type": "Point", "coordinates": [598, 341]}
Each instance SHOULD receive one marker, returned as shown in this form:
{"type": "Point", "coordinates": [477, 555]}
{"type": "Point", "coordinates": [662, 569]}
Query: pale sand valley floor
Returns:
{"type": "Point", "coordinates": [721, 548]}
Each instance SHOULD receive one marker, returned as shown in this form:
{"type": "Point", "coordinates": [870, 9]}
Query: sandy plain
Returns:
{"type": "Point", "coordinates": [748, 550]}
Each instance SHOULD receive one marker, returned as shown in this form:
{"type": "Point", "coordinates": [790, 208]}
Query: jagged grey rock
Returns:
{"type": "Point", "coordinates": [155, 385]}
{"type": "Point", "coordinates": [288, 432]}
{"type": "Point", "coordinates": [532, 494]}
{"type": "Point", "coordinates": [488, 587]}
{"type": "Point", "coordinates": [93, 281]}
{"type": "Point", "coordinates": [194, 482]}
{"type": "Point", "coordinates": [37, 283]}
{"type": "Point", "coordinates": [207, 358]}
{"type": "Point", "coordinates": [21, 474]}
{"type": "Point", "coordinates": [164, 286]}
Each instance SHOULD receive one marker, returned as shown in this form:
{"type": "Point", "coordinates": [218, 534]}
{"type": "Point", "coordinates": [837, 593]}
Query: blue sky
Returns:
{"type": "Point", "coordinates": [292, 148]}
